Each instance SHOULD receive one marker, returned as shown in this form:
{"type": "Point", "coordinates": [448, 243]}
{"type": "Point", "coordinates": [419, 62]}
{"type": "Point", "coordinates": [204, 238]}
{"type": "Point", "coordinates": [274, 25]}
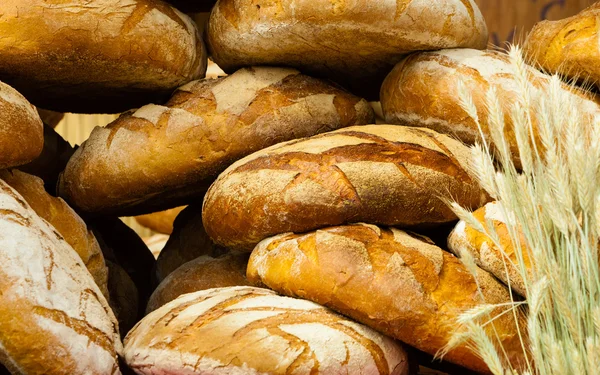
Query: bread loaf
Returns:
{"type": "Point", "coordinates": [100, 57]}
{"type": "Point", "coordinates": [568, 47]}
{"type": "Point", "coordinates": [70, 226]}
{"type": "Point", "coordinates": [422, 90]}
{"type": "Point", "coordinates": [124, 297]}
{"type": "Point", "coordinates": [21, 130]}
{"type": "Point", "coordinates": [385, 174]}
{"type": "Point", "coordinates": [245, 330]}
{"type": "Point", "coordinates": [206, 126]}
{"type": "Point", "coordinates": [50, 118]}
{"type": "Point", "coordinates": [188, 242]}
{"type": "Point", "coordinates": [161, 222]}
{"type": "Point", "coordinates": [396, 282]}
{"type": "Point", "coordinates": [202, 273]}
{"type": "Point", "coordinates": [55, 319]}
{"type": "Point", "coordinates": [502, 262]}
{"type": "Point", "coordinates": [354, 43]}
{"type": "Point", "coordinates": [156, 243]}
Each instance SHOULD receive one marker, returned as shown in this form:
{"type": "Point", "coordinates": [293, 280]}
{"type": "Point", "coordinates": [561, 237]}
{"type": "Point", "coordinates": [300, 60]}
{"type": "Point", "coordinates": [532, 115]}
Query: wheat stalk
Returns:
{"type": "Point", "coordinates": [554, 200]}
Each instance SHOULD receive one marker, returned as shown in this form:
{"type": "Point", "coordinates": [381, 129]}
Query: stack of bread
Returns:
{"type": "Point", "coordinates": [303, 247]}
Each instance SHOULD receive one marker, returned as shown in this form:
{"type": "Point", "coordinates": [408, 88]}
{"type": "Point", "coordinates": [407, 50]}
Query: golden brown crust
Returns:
{"type": "Point", "coordinates": [568, 47]}
{"type": "Point", "coordinates": [105, 56]}
{"type": "Point", "coordinates": [188, 242]}
{"type": "Point", "coordinates": [422, 90]}
{"type": "Point", "coordinates": [487, 255]}
{"type": "Point", "coordinates": [396, 282]}
{"type": "Point", "coordinates": [161, 222]}
{"type": "Point", "coordinates": [202, 273]}
{"type": "Point", "coordinates": [206, 126]}
{"type": "Point", "coordinates": [354, 43]}
{"type": "Point", "coordinates": [245, 330]}
{"type": "Point", "coordinates": [386, 174]}
{"type": "Point", "coordinates": [21, 130]}
{"type": "Point", "coordinates": [64, 220]}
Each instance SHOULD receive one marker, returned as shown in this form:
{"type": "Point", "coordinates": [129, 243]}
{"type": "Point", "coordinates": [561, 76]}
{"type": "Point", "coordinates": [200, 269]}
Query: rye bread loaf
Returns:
{"type": "Point", "coordinates": [354, 43]}
{"type": "Point", "coordinates": [161, 221]}
{"type": "Point", "coordinates": [396, 282]}
{"type": "Point", "coordinates": [501, 261]}
{"type": "Point", "coordinates": [204, 272]}
{"type": "Point", "coordinates": [423, 90]}
{"type": "Point", "coordinates": [21, 129]}
{"type": "Point", "coordinates": [66, 222]}
{"type": "Point", "coordinates": [206, 126]}
{"type": "Point", "coordinates": [245, 330]}
{"type": "Point", "coordinates": [124, 297]}
{"type": "Point", "coordinates": [383, 174]}
{"type": "Point", "coordinates": [568, 47]}
{"type": "Point", "coordinates": [188, 242]}
{"type": "Point", "coordinates": [55, 319]}
{"type": "Point", "coordinates": [97, 57]}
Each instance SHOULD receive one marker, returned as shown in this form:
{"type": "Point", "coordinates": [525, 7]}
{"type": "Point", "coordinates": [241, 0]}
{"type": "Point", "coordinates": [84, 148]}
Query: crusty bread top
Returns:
{"type": "Point", "coordinates": [496, 260]}
{"type": "Point", "coordinates": [353, 42]}
{"type": "Point", "coordinates": [54, 317]}
{"type": "Point", "coordinates": [21, 129]}
{"type": "Point", "coordinates": [397, 282]}
{"type": "Point", "coordinates": [62, 217]}
{"type": "Point", "coordinates": [385, 174]}
{"type": "Point", "coordinates": [206, 126]}
{"type": "Point", "coordinates": [245, 330]}
{"type": "Point", "coordinates": [65, 55]}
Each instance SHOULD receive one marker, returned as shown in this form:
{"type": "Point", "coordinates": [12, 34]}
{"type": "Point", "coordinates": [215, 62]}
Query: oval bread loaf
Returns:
{"type": "Point", "coordinates": [55, 319]}
{"type": "Point", "coordinates": [206, 126]}
{"type": "Point", "coordinates": [97, 57]}
{"type": "Point", "coordinates": [423, 90]}
{"type": "Point", "coordinates": [188, 242]}
{"type": "Point", "coordinates": [501, 261]}
{"type": "Point", "coordinates": [161, 222]}
{"type": "Point", "coordinates": [355, 43]}
{"type": "Point", "coordinates": [568, 46]}
{"type": "Point", "coordinates": [21, 129]}
{"type": "Point", "coordinates": [204, 272]}
{"type": "Point", "coordinates": [396, 282]}
{"type": "Point", "coordinates": [385, 174]}
{"type": "Point", "coordinates": [245, 330]}
{"type": "Point", "coordinates": [124, 298]}
{"type": "Point", "coordinates": [71, 227]}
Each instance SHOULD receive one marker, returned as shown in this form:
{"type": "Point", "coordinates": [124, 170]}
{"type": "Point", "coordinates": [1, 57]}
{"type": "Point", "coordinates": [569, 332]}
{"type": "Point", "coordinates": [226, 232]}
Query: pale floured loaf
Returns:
{"type": "Point", "coordinates": [161, 221]}
{"type": "Point", "coordinates": [501, 261]}
{"type": "Point", "coordinates": [206, 126]}
{"type": "Point", "coordinates": [100, 56]}
{"type": "Point", "coordinates": [568, 47]}
{"type": "Point", "coordinates": [384, 174]}
{"type": "Point", "coordinates": [62, 217]}
{"type": "Point", "coordinates": [245, 330]}
{"type": "Point", "coordinates": [188, 242]}
{"type": "Point", "coordinates": [396, 282]}
{"type": "Point", "coordinates": [55, 319]}
{"type": "Point", "coordinates": [423, 90]}
{"type": "Point", "coordinates": [204, 272]}
{"type": "Point", "coordinates": [21, 129]}
{"type": "Point", "coordinates": [355, 43]}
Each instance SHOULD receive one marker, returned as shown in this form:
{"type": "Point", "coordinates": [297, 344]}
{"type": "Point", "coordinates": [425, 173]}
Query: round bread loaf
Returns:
{"type": "Point", "coordinates": [245, 330]}
{"type": "Point", "coordinates": [188, 242]}
{"type": "Point", "coordinates": [568, 47]}
{"type": "Point", "coordinates": [55, 319]}
{"type": "Point", "coordinates": [206, 126]}
{"type": "Point", "coordinates": [354, 43]}
{"type": "Point", "coordinates": [124, 297]}
{"type": "Point", "coordinates": [21, 130]}
{"type": "Point", "coordinates": [161, 222]}
{"type": "Point", "coordinates": [71, 227]}
{"type": "Point", "coordinates": [423, 90]}
{"type": "Point", "coordinates": [97, 57]}
{"type": "Point", "coordinates": [202, 273]}
{"type": "Point", "coordinates": [396, 282]}
{"type": "Point", "coordinates": [384, 174]}
{"type": "Point", "coordinates": [502, 262]}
